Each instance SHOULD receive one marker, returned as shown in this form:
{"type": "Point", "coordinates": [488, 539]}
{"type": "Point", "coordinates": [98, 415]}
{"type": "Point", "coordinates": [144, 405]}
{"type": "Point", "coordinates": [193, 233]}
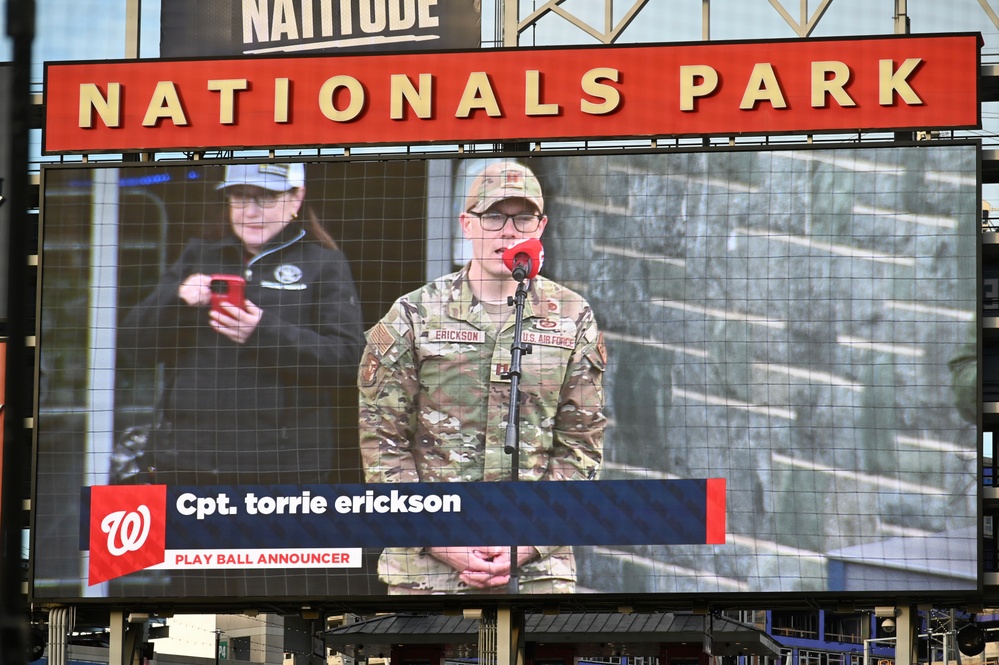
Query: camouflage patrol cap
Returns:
{"type": "Point", "coordinates": [501, 181]}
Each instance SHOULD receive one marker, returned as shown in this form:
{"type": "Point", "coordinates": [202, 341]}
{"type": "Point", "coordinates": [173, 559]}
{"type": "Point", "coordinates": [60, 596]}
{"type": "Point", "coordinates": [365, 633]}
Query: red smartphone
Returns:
{"type": "Point", "coordinates": [227, 288]}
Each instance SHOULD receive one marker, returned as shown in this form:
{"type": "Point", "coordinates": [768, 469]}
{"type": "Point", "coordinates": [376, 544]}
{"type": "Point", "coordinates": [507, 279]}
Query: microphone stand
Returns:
{"type": "Point", "coordinates": [517, 350]}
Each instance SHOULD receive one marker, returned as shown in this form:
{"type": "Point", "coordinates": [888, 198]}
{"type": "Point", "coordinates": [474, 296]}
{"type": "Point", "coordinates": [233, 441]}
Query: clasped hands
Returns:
{"type": "Point", "coordinates": [482, 567]}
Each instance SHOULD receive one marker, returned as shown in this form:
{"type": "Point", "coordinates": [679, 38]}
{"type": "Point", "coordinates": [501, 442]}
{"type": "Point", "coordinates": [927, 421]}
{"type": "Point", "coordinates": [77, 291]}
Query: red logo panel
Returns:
{"type": "Point", "coordinates": [127, 529]}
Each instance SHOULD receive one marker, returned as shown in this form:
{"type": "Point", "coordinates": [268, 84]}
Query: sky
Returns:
{"type": "Point", "coordinates": [95, 29]}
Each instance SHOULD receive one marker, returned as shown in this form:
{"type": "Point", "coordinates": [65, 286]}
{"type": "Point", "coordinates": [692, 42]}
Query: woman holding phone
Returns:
{"type": "Point", "coordinates": [256, 331]}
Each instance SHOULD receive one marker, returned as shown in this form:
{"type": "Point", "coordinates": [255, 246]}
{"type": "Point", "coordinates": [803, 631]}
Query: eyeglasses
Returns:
{"type": "Point", "coordinates": [242, 199]}
{"type": "Point", "coordinates": [495, 221]}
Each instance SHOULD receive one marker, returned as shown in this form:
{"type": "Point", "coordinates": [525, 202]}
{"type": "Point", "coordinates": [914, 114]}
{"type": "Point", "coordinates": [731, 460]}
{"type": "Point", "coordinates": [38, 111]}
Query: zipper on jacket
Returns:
{"type": "Point", "coordinates": [248, 271]}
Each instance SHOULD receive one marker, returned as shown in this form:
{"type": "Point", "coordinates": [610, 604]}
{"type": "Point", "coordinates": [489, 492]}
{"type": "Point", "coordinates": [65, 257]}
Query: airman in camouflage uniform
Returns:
{"type": "Point", "coordinates": [434, 400]}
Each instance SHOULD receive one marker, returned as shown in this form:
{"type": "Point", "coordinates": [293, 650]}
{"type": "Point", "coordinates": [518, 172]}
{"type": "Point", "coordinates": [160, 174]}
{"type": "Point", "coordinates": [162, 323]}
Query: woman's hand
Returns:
{"type": "Point", "coordinates": [235, 323]}
{"type": "Point", "coordinates": [196, 290]}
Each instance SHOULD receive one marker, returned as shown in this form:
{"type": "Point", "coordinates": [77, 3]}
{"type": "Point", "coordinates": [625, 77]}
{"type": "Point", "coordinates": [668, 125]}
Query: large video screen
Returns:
{"type": "Point", "coordinates": [736, 372]}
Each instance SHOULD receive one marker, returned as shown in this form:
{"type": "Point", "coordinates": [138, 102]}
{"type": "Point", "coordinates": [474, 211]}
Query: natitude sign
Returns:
{"type": "Point", "coordinates": [195, 28]}
{"type": "Point", "coordinates": [800, 86]}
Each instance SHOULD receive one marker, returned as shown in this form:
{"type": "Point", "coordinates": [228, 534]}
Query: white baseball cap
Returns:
{"type": "Point", "coordinates": [275, 177]}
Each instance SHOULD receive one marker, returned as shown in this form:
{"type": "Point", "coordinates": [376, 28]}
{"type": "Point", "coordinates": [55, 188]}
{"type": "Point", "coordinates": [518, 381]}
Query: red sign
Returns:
{"type": "Point", "coordinates": [796, 86]}
{"type": "Point", "coordinates": [127, 529]}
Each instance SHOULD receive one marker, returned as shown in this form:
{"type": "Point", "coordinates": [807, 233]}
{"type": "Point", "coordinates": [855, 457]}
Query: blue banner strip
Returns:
{"type": "Point", "coordinates": [602, 512]}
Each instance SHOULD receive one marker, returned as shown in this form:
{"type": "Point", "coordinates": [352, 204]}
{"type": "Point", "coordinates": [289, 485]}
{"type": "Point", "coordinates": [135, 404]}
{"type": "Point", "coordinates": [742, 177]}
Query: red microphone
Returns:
{"type": "Point", "coordinates": [524, 259]}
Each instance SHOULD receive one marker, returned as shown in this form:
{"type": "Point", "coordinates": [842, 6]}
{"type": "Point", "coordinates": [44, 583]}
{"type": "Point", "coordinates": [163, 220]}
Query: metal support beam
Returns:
{"type": "Point", "coordinates": [126, 640]}
{"type": "Point", "coordinates": [509, 636]}
{"type": "Point", "coordinates": [511, 19]}
{"type": "Point", "coordinates": [133, 28]}
{"type": "Point", "coordinates": [901, 17]}
{"type": "Point", "coordinates": [906, 630]}
{"type": "Point", "coordinates": [116, 629]}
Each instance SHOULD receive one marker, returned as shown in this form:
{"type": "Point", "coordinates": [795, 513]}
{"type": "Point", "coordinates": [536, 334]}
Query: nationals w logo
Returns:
{"type": "Point", "coordinates": [127, 532]}
{"type": "Point", "coordinates": [127, 529]}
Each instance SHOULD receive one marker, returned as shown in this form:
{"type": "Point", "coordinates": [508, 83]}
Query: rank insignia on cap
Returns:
{"type": "Point", "coordinates": [513, 178]}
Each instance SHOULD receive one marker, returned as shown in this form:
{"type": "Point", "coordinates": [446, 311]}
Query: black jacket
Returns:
{"type": "Point", "coordinates": [260, 411]}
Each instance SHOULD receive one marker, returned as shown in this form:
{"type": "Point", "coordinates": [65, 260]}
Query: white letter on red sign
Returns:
{"type": "Point", "coordinates": [478, 95]}
{"type": "Point", "coordinates": [835, 86]}
{"type": "Point", "coordinates": [419, 100]}
{"type": "Point", "coordinates": [763, 87]}
{"type": "Point", "coordinates": [165, 103]}
{"type": "Point", "coordinates": [592, 86]}
{"type": "Point", "coordinates": [891, 82]}
{"type": "Point", "coordinates": [328, 91]}
{"type": "Point", "coordinates": [532, 97]}
{"type": "Point", "coordinates": [227, 99]}
{"type": "Point", "coordinates": [690, 89]}
{"type": "Point", "coordinates": [108, 108]}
